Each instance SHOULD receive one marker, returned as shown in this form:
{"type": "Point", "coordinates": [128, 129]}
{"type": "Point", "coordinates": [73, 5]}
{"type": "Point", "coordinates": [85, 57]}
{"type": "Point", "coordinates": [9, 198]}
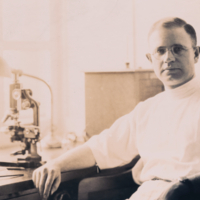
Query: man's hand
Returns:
{"type": "Point", "coordinates": [47, 179]}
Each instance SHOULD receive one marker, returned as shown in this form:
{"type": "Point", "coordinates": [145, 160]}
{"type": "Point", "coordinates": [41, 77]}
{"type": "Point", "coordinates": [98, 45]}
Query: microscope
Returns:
{"type": "Point", "coordinates": [27, 134]}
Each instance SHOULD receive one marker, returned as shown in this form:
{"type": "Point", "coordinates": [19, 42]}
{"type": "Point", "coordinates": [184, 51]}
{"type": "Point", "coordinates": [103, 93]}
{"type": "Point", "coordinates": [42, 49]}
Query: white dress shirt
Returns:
{"type": "Point", "coordinates": [164, 130]}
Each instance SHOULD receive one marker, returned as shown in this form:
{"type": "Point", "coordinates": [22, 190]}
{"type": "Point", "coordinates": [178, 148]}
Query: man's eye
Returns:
{"type": "Point", "coordinates": [161, 51]}
{"type": "Point", "coordinates": [177, 50]}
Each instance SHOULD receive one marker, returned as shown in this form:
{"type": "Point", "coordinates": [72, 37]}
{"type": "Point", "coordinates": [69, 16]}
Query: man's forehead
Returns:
{"type": "Point", "coordinates": [169, 36]}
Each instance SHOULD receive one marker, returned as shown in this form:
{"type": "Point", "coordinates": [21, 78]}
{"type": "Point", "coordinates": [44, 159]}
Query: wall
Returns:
{"type": "Point", "coordinates": [100, 37]}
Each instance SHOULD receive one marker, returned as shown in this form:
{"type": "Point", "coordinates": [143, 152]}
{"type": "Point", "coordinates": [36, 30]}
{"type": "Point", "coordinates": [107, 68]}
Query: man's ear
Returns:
{"type": "Point", "coordinates": [148, 55]}
{"type": "Point", "coordinates": [196, 53]}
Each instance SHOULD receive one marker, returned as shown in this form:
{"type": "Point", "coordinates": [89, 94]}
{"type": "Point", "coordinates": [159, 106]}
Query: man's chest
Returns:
{"type": "Point", "coordinates": [168, 130]}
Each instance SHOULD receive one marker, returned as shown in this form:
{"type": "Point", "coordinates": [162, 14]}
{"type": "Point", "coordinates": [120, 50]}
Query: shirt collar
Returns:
{"type": "Point", "coordinates": [184, 90]}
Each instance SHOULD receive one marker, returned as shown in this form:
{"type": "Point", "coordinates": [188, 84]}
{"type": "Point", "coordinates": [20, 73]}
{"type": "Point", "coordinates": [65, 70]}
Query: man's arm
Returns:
{"type": "Point", "coordinates": [47, 177]}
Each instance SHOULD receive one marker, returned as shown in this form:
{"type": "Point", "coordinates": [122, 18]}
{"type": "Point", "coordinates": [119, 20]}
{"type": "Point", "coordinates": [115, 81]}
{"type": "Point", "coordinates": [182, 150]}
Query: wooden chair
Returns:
{"type": "Point", "coordinates": [116, 187]}
{"type": "Point", "coordinates": [109, 184]}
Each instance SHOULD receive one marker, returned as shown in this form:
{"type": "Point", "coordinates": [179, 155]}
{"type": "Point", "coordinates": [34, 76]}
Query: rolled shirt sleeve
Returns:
{"type": "Point", "coordinates": [115, 146]}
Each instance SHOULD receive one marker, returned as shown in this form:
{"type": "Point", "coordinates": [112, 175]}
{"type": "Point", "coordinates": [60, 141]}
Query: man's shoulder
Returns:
{"type": "Point", "coordinates": [143, 106]}
{"type": "Point", "coordinates": [152, 100]}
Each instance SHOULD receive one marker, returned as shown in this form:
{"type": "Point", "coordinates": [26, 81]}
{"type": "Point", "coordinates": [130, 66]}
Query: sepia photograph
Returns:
{"type": "Point", "coordinates": [99, 100]}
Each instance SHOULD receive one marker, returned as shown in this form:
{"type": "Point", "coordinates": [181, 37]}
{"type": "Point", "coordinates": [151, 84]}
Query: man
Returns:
{"type": "Point", "coordinates": [163, 130]}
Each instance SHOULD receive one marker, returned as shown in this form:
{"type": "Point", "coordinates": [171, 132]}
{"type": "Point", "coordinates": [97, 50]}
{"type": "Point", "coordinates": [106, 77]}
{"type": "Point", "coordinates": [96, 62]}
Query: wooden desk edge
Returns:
{"type": "Point", "coordinates": [26, 186]}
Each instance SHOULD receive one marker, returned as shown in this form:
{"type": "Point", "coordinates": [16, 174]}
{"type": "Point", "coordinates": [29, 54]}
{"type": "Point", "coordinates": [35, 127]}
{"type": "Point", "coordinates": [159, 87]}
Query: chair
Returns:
{"type": "Point", "coordinates": [110, 184]}
{"type": "Point", "coordinates": [116, 187]}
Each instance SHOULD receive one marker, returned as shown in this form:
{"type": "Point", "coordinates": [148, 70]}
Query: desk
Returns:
{"type": "Point", "coordinates": [22, 188]}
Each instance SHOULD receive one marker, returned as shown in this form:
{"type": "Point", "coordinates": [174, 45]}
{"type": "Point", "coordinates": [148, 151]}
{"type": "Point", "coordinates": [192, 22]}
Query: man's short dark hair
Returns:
{"type": "Point", "coordinates": [173, 23]}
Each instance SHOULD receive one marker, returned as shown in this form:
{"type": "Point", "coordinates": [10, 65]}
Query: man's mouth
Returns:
{"type": "Point", "coordinates": [170, 69]}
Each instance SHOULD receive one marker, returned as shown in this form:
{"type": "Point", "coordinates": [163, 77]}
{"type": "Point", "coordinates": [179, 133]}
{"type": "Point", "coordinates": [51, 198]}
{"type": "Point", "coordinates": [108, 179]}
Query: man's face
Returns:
{"type": "Point", "coordinates": [171, 68]}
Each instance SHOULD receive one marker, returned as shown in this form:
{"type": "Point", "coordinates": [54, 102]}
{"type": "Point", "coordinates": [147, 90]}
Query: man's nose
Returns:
{"type": "Point", "coordinates": [169, 56]}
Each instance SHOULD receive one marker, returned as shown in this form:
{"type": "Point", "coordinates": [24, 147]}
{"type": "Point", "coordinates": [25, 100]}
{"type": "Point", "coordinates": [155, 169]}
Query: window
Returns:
{"type": "Point", "coordinates": [31, 40]}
